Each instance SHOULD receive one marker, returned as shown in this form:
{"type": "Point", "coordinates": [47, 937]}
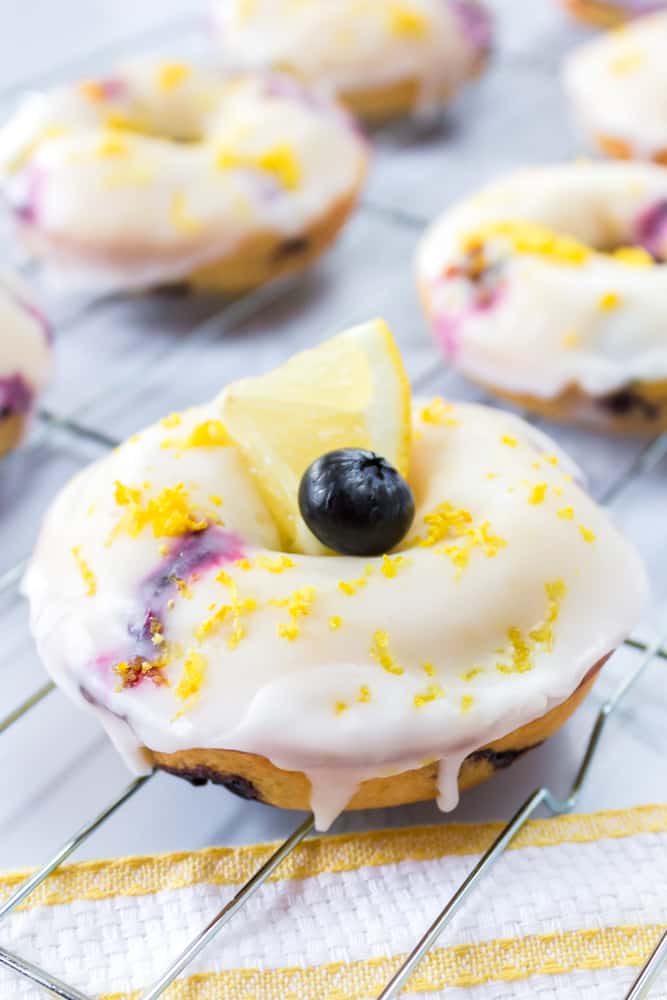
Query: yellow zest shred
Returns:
{"type": "Point", "coordinates": [86, 572]}
{"type": "Point", "coordinates": [279, 161]}
{"type": "Point", "coordinates": [587, 534]}
{"type": "Point", "coordinates": [407, 23]}
{"type": "Point", "coordinates": [634, 256]}
{"type": "Point", "coordinates": [274, 564]}
{"type": "Point", "coordinates": [391, 565]}
{"type": "Point", "coordinates": [469, 675]}
{"type": "Point", "coordinates": [168, 513]}
{"type": "Point", "coordinates": [209, 434]}
{"type": "Point", "coordinates": [340, 707]}
{"type": "Point", "coordinates": [609, 301]}
{"type": "Point", "coordinates": [530, 238]}
{"type": "Point", "coordinates": [299, 605]}
{"type": "Point", "coordinates": [439, 412]}
{"type": "Point", "coordinates": [380, 652]}
{"type": "Point", "coordinates": [132, 671]}
{"type": "Point", "coordinates": [446, 522]}
{"type": "Point", "coordinates": [351, 587]}
{"type": "Point", "coordinates": [509, 440]}
{"type": "Point", "coordinates": [172, 75]}
{"type": "Point", "coordinates": [570, 338]}
{"type": "Point", "coordinates": [467, 701]}
{"type": "Point", "coordinates": [428, 669]}
{"type": "Point", "coordinates": [193, 676]}
{"type": "Point", "coordinates": [115, 121]}
{"type": "Point", "coordinates": [523, 647]}
{"type": "Point", "coordinates": [538, 493]}
{"type": "Point", "coordinates": [364, 694]}
{"type": "Point", "coordinates": [172, 420]}
{"type": "Point", "coordinates": [111, 146]}
{"type": "Point", "coordinates": [231, 613]}
{"type": "Point", "coordinates": [335, 622]}
{"type": "Point", "coordinates": [433, 692]}
{"type": "Point", "coordinates": [283, 164]}
{"type": "Point", "coordinates": [566, 513]}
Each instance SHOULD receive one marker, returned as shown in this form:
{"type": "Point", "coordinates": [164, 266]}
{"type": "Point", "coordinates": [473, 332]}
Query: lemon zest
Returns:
{"type": "Point", "coordinates": [380, 652]}
{"type": "Point", "coordinates": [86, 572]}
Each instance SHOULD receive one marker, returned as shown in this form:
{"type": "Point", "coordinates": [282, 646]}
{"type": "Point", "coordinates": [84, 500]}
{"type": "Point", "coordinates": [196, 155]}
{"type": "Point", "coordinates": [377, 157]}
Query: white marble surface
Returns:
{"type": "Point", "coordinates": [124, 363]}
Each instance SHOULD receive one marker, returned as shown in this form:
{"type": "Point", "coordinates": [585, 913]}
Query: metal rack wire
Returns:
{"type": "Point", "coordinates": [73, 425]}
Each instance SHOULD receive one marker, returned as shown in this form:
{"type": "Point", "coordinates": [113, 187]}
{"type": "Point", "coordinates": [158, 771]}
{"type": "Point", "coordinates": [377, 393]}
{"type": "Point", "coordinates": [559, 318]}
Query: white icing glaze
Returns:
{"type": "Point", "coordinates": [618, 85]}
{"type": "Point", "coordinates": [25, 355]}
{"type": "Point", "coordinates": [161, 168]}
{"type": "Point", "coordinates": [356, 46]}
{"type": "Point", "coordinates": [469, 643]}
{"type": "Point", "coordinates": [544, 324]}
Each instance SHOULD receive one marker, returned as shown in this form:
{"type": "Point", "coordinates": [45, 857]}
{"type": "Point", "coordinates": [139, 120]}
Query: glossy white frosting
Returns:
{"type": "Point", "coordinates": [25, 352]}
{"type": "Point", "coordinates": [536, 324]}
{"type": "Point", "coordinates": [350, 46]}
{"type": "Point", "coordinates": [526, 585]}
{"type": "Point", "coordinates": [160, 168]}
{"type": "Point", "coordinates": [618, 85]}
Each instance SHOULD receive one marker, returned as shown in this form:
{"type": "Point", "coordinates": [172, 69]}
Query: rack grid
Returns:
{"type": "Point", "coordinates": [240, 333]}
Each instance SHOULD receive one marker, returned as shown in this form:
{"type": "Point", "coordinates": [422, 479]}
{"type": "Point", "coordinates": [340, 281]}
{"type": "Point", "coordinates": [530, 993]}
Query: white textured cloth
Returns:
{"type": "Point", "coordinates": [569, 913]}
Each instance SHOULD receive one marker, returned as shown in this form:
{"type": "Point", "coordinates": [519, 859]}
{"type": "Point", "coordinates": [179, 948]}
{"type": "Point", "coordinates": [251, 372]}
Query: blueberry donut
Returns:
{"type": "Point", "coordinates": [164, 173]}
{"type": "Point", "coordinates": [382, 58]}
{"type": "Point", "coordinates": [387, 622]}
{"type": "Point", "coordinates": [548, 288]}
{"type": "Point", "coordinates": [609, 13]}
{"type": "Point", "coordinates": [617, 85]}
{"type": "Point", "coordinates": [25, 359]}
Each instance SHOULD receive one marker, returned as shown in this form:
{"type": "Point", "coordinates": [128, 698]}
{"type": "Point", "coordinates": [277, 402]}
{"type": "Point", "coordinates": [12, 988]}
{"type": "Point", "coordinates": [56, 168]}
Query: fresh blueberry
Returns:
{"type": "Point", "coordinates": [355, 502]}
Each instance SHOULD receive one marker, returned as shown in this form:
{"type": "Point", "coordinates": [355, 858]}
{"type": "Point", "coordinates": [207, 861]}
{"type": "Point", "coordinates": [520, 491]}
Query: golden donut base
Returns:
{"type": "Point", "coordinates": [395, 99]}
{"type": "Point", "coordinates": [263, 256]}
{"type": "Point", "coordinates": [11, 432]}
{"type": "Point", "coordinates": [255, 777]}
{"type": "Point", "coordinates": [268, 255]}
{"type": "Point", "coordinates": [596, 12]}
{"type": "Point", "coordinates": [622, 150]}
{"type": "Point", "coordinates": [647, 414]}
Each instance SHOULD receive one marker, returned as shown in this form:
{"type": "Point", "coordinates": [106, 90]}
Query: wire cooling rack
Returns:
{"type": "Point", "coordinates": [124, 362]}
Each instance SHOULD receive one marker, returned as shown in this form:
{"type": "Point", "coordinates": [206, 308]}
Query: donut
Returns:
{"type": "Point", "coordinates": [25, 359]}
{"type": "Point", "coordinates": [382, 58]}
{"type": "Point", "coordinates": [548, 289]}
{"type": "Point", "coordinates": [166, 599]}
{"type": "Point", "coordinates": [617, 85]}
{"type": "Point", "coordinates": [610, 13]}
{"type": "Point", "coordinates": [165, 173]}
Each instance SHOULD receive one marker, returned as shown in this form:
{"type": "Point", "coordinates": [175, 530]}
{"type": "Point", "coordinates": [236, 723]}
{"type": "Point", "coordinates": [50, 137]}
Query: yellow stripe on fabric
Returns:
{"type": "Point", "coordinates": [464, 965]}
{"type": "Point", "coordinates": [141, 876]}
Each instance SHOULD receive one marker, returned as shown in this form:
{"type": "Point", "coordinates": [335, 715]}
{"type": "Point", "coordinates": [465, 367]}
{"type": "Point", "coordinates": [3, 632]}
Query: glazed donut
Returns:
{"type": "Point", "coordinates": [618, 88]}
{"type": "Point", "coordinates": [610, 13]}
{"type": "Point", "coordinates": [163, 173]}
{"type": "Point", "coordinates": [25, 359]}
{"type": "Point", "coordinates": [547, 288]}
{"type": "Point", "coordinates": [382, 58]}
{"type": "Point", "coordinates": [331, 681]}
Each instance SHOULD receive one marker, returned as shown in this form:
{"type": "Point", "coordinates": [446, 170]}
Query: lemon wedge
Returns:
{"type": "Point", "coordinates": [350, 392]}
